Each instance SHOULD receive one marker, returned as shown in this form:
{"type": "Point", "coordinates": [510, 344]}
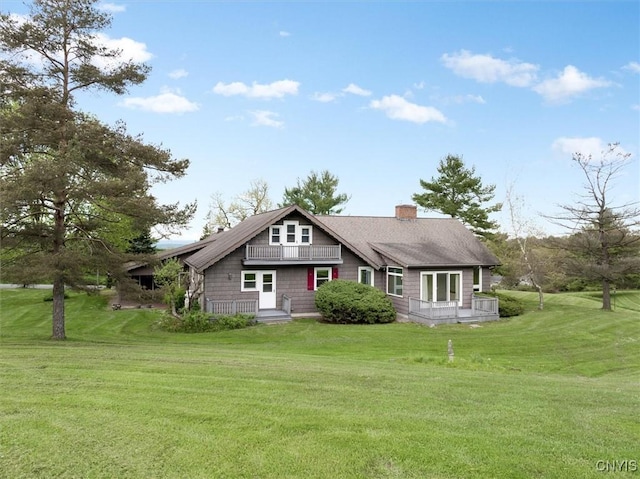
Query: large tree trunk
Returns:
{"type": "Point", "coordinates": [606, 295]}
{"type": "Point", "coordinates": [58, 277]}
{"type": "Point", "coordinates": [58, 308]}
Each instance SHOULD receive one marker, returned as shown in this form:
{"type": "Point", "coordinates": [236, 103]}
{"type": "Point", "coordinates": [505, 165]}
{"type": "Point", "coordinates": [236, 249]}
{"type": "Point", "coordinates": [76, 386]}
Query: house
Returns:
{"type": "Point", "coordinates": [272, 264]}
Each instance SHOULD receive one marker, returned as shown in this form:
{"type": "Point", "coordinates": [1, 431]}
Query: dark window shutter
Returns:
{"type": "Point", "coordinates": [334, 273]}
{"type": "Point", "coordinates": [310, 279]}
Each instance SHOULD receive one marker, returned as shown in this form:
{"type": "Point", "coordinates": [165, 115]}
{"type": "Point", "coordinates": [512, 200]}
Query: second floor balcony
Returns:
{"type": "Point", "coordinates": [295, 254]}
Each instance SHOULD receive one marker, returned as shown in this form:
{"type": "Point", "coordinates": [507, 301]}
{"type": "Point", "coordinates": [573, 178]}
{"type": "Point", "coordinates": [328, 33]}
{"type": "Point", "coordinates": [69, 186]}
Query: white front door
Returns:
{"type": "Point", "coordinates": [266, 284]}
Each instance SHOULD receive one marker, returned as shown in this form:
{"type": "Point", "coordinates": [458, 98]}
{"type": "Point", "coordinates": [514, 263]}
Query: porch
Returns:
{"type": "Point", "coordinates": [264, 255]}
{"type": "Point", "coordinates": [249, 306]}
{"type": "Point", "coordinates": [442, 312]}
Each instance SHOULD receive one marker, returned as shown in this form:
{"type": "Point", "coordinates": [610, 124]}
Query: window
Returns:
{"type": "Point", "coordinates": [248, 281]}
{"type": "Point", "coordinates": [274, 236]}
{"type": "Point", "coordinates": [365, 275]}
{"type": "Point", "coordinates": [441, 286]}
{"type": "Point", "coordinates": [477, 278]}
{"type": "Point", "coordinates": [394, 281]}
{"type": "Point", "coordinates": [305, 234]}
{"type": "Point", "coordinates": [321, 276]}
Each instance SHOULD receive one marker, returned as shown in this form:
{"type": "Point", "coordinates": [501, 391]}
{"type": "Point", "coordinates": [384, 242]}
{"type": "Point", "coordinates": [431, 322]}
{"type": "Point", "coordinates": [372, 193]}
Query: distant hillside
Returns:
{"type": "Point", "coordinates": [169, 244]}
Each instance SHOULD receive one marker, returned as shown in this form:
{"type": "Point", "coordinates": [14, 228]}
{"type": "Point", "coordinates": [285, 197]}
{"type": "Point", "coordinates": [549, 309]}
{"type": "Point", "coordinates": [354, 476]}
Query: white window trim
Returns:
{"type": "Point", "coordinates": [401, 275]}
{"type": "Point", "coordinates": [366, 268]}
{"type": "Point", "coordinates": [448, 272]}
{"type": "Point", "coordinates": [315, 275]}
{"type": "Point", "coordinates": [283, 234]}
{"type": "Point", "coordinates": [477, 285]}
{"type": "Point", "coordinates": [242, 280]}
{"type": "Point", "coordinates": [280, 227]}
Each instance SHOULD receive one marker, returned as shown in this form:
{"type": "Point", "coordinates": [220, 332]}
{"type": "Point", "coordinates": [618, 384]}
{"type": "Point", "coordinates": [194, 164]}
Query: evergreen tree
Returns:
{"type": "Point", "coordinates": [65, 177]}
{"type": "Point", "coordinates": [316, 194]}
{"type": "Point", "coordinates": [459, 193]}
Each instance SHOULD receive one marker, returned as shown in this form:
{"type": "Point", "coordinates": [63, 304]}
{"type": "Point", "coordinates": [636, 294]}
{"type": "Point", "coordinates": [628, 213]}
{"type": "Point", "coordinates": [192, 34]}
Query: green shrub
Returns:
{"type": "Point", "coordinates": [239, 321]}
{"type": "Point", "coordinates": [507, 305]}
{"type": "Point", "coordinates": [341, 301]}
{"type": "Point", "coordinates": [201, 322]}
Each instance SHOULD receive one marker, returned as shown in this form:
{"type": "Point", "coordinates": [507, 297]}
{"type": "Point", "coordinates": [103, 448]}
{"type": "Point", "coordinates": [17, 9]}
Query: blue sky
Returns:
{"type": "Point", "coordinates": [378, 92]}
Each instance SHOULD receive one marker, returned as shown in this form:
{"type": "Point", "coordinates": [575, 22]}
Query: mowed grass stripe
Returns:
{"type": "Point", "coordinates": [312, 400]}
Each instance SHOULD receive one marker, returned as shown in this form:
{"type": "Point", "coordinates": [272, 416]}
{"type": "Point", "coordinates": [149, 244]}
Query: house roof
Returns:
{"type": "Point", "coordinates": [230, 240]}
{"type": "Point", "coordinates": [421, 242]}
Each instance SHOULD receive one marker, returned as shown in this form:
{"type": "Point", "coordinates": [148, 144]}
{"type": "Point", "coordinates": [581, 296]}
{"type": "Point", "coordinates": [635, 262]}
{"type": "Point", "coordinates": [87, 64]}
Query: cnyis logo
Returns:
{"type": "Point", "coordinates": [625, 465]}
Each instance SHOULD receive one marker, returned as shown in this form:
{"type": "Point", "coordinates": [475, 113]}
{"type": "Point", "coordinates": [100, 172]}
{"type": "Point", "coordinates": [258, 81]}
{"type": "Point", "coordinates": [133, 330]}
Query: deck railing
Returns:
{"type": "Point", "coordinates": [231, 307]}
{"type": "Point", "coordinates": [293, 253]}
{"type": "Point", "coordinates": [484, 304]}
{"type": "Point", "coordinates": [433, 309]}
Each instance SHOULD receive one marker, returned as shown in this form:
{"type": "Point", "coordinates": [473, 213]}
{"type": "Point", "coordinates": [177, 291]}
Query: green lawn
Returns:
{"type": "Point", "coordinates": [544, 395]}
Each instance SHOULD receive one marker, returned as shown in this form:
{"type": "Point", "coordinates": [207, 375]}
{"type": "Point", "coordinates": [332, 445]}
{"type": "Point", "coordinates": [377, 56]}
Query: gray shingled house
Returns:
{"type": "Point", "coordinates": [271, 264]}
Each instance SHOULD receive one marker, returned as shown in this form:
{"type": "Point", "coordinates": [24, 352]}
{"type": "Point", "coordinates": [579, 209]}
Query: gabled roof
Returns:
{"type": "Point", "coordinates": [420, 242]}
{"type": "Point", "coordinates": [230, 240]}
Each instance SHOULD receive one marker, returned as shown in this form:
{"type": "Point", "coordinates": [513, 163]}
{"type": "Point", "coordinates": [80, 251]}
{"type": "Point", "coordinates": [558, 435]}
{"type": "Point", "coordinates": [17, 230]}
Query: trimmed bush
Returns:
{"type": "Point", "coordinates": [201, 322]}
{"type": "Point", "coordinates": [345, 302]}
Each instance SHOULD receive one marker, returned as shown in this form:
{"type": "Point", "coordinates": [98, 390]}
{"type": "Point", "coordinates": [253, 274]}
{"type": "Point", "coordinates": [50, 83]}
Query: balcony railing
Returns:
{"type": "Point", "coordinates": [293, 253]}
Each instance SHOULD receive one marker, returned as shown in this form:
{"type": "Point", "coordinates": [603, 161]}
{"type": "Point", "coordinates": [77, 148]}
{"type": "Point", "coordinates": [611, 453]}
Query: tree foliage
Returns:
{"type": "Point", "coordinates": [459, 193]}
{"type": "Point", "coordinates": [603, 245]}
{"type": "Point", "coordinates": [253, 201]}
{"type": "Point", "coordinates": [169, 276]}
{"type": "Point", "coordinates": [67, 179]}
{"type": "Point", "coordinates": [316, 194]}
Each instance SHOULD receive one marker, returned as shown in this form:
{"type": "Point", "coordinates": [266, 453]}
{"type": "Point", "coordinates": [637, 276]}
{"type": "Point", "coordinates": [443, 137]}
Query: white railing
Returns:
{"type": "Point", "coordinates": [484, 304]}
{"type": "Point", "coordinates": [296, 253]}
{"type": "Point", "coordinates": [433, 309]}
{"type": "Point", "coordinates": [286, 304]}
{"type": "Point", "coordinates": [231, 307]}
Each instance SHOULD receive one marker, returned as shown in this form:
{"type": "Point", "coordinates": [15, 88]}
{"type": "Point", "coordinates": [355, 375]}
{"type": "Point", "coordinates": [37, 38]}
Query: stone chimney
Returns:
{"type": "Point", "coordinates": [406, 212]}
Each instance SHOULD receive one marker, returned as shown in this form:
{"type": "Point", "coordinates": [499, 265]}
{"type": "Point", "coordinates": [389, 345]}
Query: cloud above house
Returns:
{"type": "Point", "coordinates": [130, 50]}
{"type": "Point", "coordinates": [568, 84]}
{"type": "Point", "coordinates": [398, 108]}
{"type": "Point", "coordinates": [356, 90]}
{"type": "Point", "coordinates": [488, 69]}
{"type": "Point", "coordinates": [633, 67]}
{"type": "Point", "coordinates": [284, 34]}
{"type": "Point", "coordinates": [325, 97]}
{"type": "Point", "coordinates": [266, 118]}
{"type": "Point", "coordinates": [168, 101]}
{"type": "Point", "coordinates": [112, 7]}
{"type": "Point", "coordinates": [588, 146]}
{"type": "Point", "coordinates": [179, 73]}
{"type": "Point", "coordinates": [277, 89]}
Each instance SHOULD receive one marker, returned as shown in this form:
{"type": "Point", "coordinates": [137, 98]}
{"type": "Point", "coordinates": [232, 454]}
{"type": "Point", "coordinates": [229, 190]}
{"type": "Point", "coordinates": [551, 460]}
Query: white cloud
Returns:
{"type": "Point", "coordinates": [327, 97]}
{"type": "Point", "coordinates": [282, 33]}
{"type": "Point", "coordinates": [266, 118]}
{"type": "Point", "coordinates": [179, 73]}
{"type": "Point", "coordinates": [635, 107]}
{"type": "Point", "coordinates": [460, 99]}
{"type": "Point", "coordinates": [632, 67]}
{"type": "Point", "coordinates": [277, 89]}
{"type": "Point", "coordinates": [593, 146]}
{"type": "Point", "coordinates": [571, 82]}
{"type": "Point", "coordinates": [130, 50]}
{"type": "Point", "coordinates": [112, 7]}
{"type": "Point", "coordinates": [167, 102]}
{"type": "Point", "coordinates": [419, 86]}
{"type": "Point", "coordinates": [356, 90]}
{"type": "Point", "coordinates": [397, 108]}
{"type": "Point", "coordinates": [487, 69]}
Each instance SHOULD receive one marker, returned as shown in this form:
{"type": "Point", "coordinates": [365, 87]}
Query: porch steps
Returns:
{"type": "Point", "coordinates": [272, 316]}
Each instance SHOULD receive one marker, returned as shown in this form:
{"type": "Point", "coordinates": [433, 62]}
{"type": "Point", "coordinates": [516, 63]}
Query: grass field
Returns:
{"type": "Point", "coordinates": [552, 394]}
